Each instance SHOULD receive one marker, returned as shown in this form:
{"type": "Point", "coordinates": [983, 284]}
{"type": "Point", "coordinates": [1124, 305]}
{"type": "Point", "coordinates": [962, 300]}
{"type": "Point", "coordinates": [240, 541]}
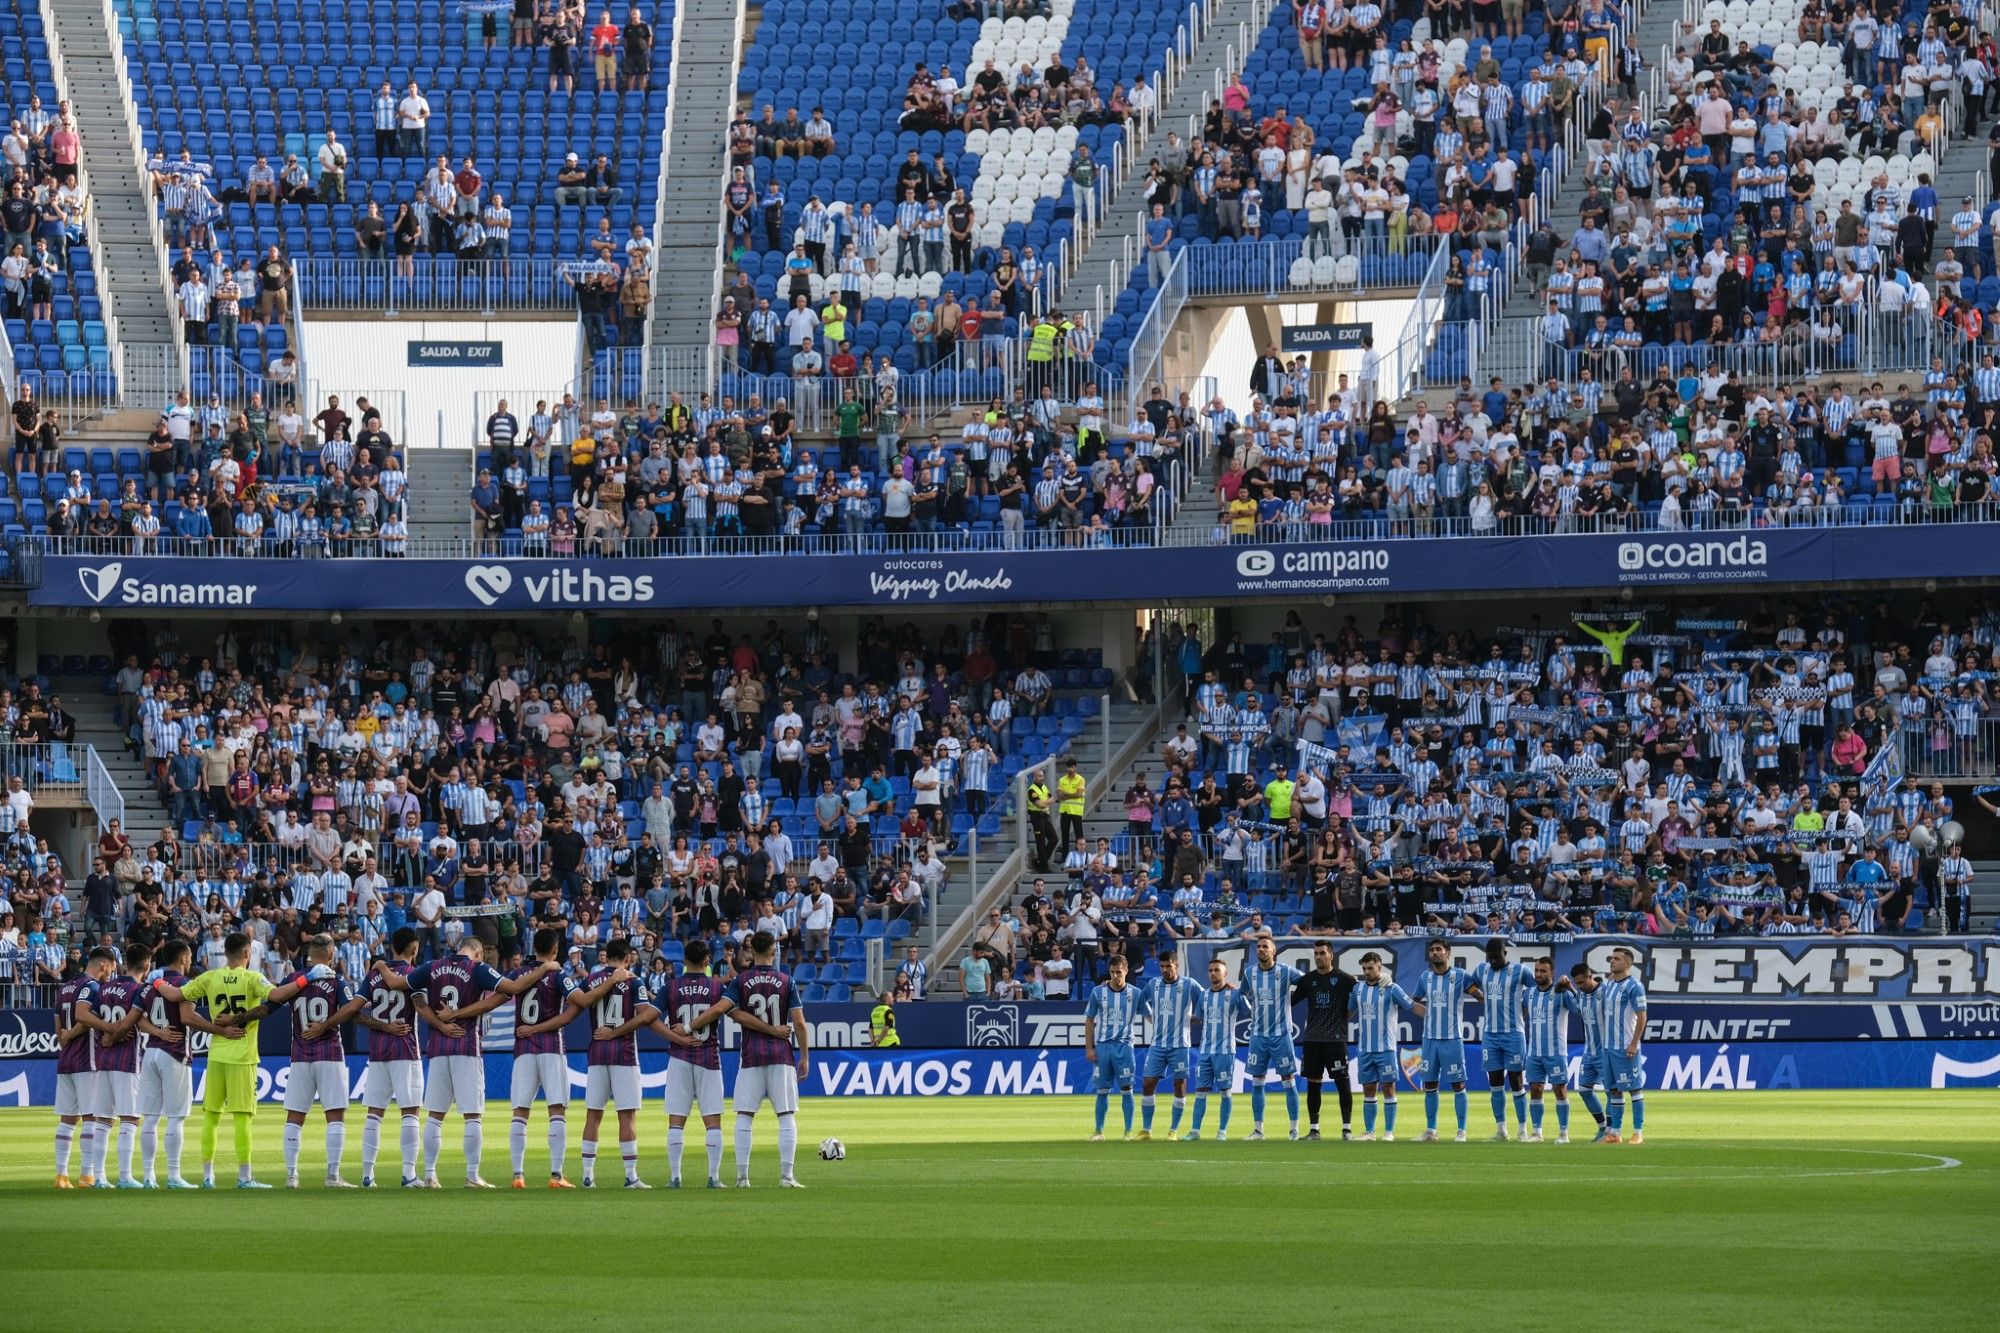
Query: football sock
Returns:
{"type": "Point", "coordinates": [1125, 1105]}
{"type": "Point", "coordinates": [788, 1142]}
{"type": "Point", "coordinates": [1292, 1105]}
{"type": "Point", "coordinates": [1103, 1108]}
{"type": "Point", "coordinates": [1431, 1109]}
{"type": "Point", "coordinates": [1389, 1113]}
{"type": "Point", "coordinates": [149, 1141]}
{"type": "Point", "coordinates": [676, 1144]}
{"type": "Point", "coordinates": [1180, 1107]}
{"type": "Point", "coordinates": [712, 1141]}
{"type": "Point", "coordinates": [1500, 1108]}
{"type": "Point", "coordinates": [558, 1144]}
{"type": "Point", "coordinates": [1222, 1122]}
{"type": "Point", "coordinates": [176, 1132]}
{"type": "Point", "coordinates": [1592, 1104]}
{"type": "Point", "coordinates": [211, 1121]}
{"type": "Point", "coordinates": [517, 1144]}
{"type": "Point", "coordinates": [744, 1125]}
{"type": "Point", "coordinates": [1146, 1112]}
{"type": "Point", "coordinates": [371, 1145]}
{"type": "Point", "coordinates": [1535, 1112]}
{"type": "Point", "coordinates": [1346, 1106]}
{"type": "Point", "coordinates": [1368, 1113]}
{"type": "Point", "coordinates": [475, 1146]}
{"type": "Point", "coordinates": [1617, 1114]}
{"type": "Point", "coordinates": [293, 1134]}
{"type": "Point", "coordinates": [1520, 1108]}
{"type": "Point", "coordinates": [1562, 1117]}
{"type": "Point", "coordinates": [128, 1141]}
{"type": "Point", "coordinates": [1458, 1104]}
{"type": "Point", "coordinates": [628, 1152]}
{"type": "Point", "coordinates": [1638, 1113]}
{"type": "Point", "coordinates": [589, 1155]}
{"type": "Point", "coordinates": [1313, 1093]}
{"type": "Point", "coordinates": [1200, 1110]}
{"type": "Point", "coordinates": [1257, 1105]}
{"type": "Point", "coordinates": [242, 1144]}
{"type": "Point", "coordinates": [336, 1146]}
{"type": "Point", "coordinates": [65, 1137]}
{"type": "Point", "coordinates": [90, 1148]}
{"type": "Point", "coordinates": [433, 1143]}
{"type": "Point", "coordinates": [408, 1142]}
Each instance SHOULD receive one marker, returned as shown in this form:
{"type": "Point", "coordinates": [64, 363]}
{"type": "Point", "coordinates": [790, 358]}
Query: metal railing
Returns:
{"type": "Point", "coordinates": [1292, 265]}
{"type": "Point", "coordinates": [101, 791]}
{"type": "Point", "coordinates": [439, 282]}
{"type": "Point", "coordinates": [48, 765]}
{"type": "Point", "coordinates": [1950, 748]}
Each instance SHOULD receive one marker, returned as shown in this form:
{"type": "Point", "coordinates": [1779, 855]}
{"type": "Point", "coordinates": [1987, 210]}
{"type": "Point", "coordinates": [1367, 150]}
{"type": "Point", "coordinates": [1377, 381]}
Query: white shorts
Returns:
{"type": "Point", "coordinates": [117, 1094]}
{"type": "Point", "coordinates": [608, 1084]}
{"type": "Point", "coordinates": [398, 1081]}
{"type": "Point", "coordinates": [75, 1095]}
{"type": "Point", "coordinates": [778, 1083]}
{"type": "Point", "coordinates": [324, 1080]}
{"type": "Point", "coordinates": [546, 1074]}
{"type": "Point", "coordinates": [166, 1086]}
{"type": "Point", "coordinates": [456, 1078]}
{"type": "Point", "coordinates": [689, 1083]}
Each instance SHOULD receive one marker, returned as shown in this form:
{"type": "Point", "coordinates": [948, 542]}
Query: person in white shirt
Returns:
{"type": "Point", "coordinates": [816, 925]}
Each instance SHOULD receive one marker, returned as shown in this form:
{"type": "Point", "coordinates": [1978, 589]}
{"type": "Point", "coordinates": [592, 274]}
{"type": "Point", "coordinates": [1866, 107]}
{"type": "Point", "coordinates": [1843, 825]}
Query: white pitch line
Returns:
{"type": "Point", "coordinates": [1933, 1162]}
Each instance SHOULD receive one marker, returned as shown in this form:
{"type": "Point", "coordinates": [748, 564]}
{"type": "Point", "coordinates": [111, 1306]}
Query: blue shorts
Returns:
{"type": "Point", "coordinates": [1549, 1070]}
{"type": "Point", "coordinates": [1593, 1073]}
{"type": "Point", "coordinates": [1628, 1072]}
{"type": "Point", "coordinates": [1501, 1052]}
{"type": "Point", "coordinates": [1378, 1067]}
{"type": "Point", "coordinates": [1165, 1062]}
{"type": "Point", "coordinates": [1114, 1067]}
{"type": "Point", "coordinates": [1215, 1073]}
{"type": "Point", "coordinates": [1275, 1054]}
{"type": "Point", "coordinates": [1443, 1060]}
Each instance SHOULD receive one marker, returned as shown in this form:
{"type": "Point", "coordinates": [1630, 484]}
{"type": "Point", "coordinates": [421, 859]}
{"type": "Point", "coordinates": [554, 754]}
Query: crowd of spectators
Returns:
{"type": "Point", "coordinates": [1702, 780]}
{"type": "Point", "coordinates": [658, 786]}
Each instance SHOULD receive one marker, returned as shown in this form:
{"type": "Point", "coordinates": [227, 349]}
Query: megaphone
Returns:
{"type": "Point", "coordinates": [1953, 833]}
{"type": "Point", "coordinates": [1923, 838]}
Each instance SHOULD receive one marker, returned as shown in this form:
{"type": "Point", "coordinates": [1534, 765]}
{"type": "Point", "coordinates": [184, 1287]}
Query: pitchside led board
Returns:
{"type": "Point", "coordinates": [1324, 337]}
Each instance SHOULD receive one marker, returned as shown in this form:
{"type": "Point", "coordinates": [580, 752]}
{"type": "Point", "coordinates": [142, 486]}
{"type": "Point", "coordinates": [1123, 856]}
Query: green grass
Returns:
{"type": "Point", "coordinates": [1742, 1211]}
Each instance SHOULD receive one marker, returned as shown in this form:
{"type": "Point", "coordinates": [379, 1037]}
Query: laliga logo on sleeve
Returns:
{"type": "Point", "coordinates": [1256, 564]}
{"type": "Point", "coordinates": [489, 583]}
{"type": "Point", "coordinates": [98, 583]}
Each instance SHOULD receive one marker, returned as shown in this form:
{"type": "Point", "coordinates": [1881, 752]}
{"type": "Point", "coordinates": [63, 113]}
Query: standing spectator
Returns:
{"type": "Point", "coordinates": [194, 300]}
{"type": "Point", "coordinates": [332, 170]}
{"type": "Point", "coordinates": [638, 37]}
{"type": "Point", "coordinates": [387, 141]}
{"type": "Point", "coordinates": [605, 39]}
{"type": "Point", "coordinates": [413, 115]}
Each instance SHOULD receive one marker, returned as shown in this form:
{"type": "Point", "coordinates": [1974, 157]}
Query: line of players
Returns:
{"type": "Point", "coordinates": [1525, 1042]}
{"type": "Point", "coordinates": [123, 1058]}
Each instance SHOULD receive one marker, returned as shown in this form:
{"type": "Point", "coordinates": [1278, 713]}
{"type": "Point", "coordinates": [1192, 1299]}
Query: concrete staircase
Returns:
{"type": "Point", "coordinates": [97, 726]}
{"type": "Point", "coordinates": [1103, 261]}
{"type": "Point", "coordinates": [708, 47]}
{"type": "Point", "coordinates": [131, 268]}
{"type": "Point", "coordinates": [440, 491]}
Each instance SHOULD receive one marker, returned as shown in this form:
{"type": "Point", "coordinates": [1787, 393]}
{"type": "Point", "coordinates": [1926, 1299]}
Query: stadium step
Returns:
{"type": "Point", "coordinates": [440, 489]}
{"type": "Point", "coordinates": [688, 232]}
{"type": "Point", "coordinates": [134, 283]}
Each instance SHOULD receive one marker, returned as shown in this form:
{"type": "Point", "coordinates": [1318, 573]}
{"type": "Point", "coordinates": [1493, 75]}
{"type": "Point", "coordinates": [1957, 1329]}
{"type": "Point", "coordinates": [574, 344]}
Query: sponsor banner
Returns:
{"type": "Point", "coordinates": [1964, 969]}
{"type": "Point", "coordinates": [1325, 337]}
{"type": "Point", "coordinates": [433, 355]}
{"type": "Point", "coordinates": [1387, 568]}
{"type": "Point", "coordinates": [965, 1072]}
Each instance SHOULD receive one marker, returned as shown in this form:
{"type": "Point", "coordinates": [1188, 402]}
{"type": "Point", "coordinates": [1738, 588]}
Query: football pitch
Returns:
{"type": "Point", "coordinates": [1741, 1211]}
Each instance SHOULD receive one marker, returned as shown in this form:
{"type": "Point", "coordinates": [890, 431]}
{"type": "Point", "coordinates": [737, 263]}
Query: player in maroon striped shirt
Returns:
{"type": "Point", "coordinates": [394, 1071]}
{"type": "Point", "coordinates": [76, 1095]}
{"type": "Point", "coordinates": [166, 1082]}
{"type": "Point", "coordinates": [319, 1061]}
{"type": "Point", "coordinates": [764, 993]}
{"type": "Point", "coordinates": [622, 1007]}
{"type": "Point", "coordinates": [692, 1002]}
{"type": "Point", "coordinates": [540, 1056]}
{"type": "Point", "coordinates": [121, 1003]}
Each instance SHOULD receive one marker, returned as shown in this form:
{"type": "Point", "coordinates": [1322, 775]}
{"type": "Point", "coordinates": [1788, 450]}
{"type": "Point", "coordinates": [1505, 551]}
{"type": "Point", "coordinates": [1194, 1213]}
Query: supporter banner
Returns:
{"type": "Point", "coordinates": [1325, 337]}
{"type": "Point", "coordinates": [1800, 969]}
{"type": "Point", "coordinates": [962, 1072]}
{"type": "Point", "coordinates": [1120, 574]}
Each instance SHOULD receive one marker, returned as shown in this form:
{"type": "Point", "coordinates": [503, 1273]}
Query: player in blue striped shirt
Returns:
{"type": "Point", "coordinates": [1624, 1030]}
{"type": "Point", "coordinates": [1171, 999]}
{"type": "Point", "coordinates": [1548, 1011]}
{"type": "Point", "coordinates": [1589, 988]}
{"type": "Point", "coordinates": [1215, 1062]}
{"type": "Point", "coordinates": [1441, 994]}
{"type": "Point", "coordinates": [1504, 985]}
{"type": "Point", "coordinates": [1375, 1005]}
{"type": "Point", "coordinates": [1108, 1021]}
{"type": "Point", "coordinates": [1269, 988]}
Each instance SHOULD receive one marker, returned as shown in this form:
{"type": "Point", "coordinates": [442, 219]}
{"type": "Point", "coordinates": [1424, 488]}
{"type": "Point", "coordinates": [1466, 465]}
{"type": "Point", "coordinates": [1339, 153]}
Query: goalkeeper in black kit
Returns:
{"type": "Point", "coordinates": [1326, 994]}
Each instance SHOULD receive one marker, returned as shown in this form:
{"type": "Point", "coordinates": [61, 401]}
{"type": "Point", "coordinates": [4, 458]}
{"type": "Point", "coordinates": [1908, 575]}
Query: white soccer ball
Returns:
{"type": "Point", "coordinates": [832, 1150]}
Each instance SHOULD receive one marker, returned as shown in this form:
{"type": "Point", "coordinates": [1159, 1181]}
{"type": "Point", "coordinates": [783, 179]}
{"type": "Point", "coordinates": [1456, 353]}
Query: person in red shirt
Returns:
{"type": "Point", "coordinates": [843, 366]}
{"type": "Point", "coordinates": [605, 39]}
{"type": "Point", "coordinates": [468, 182]}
